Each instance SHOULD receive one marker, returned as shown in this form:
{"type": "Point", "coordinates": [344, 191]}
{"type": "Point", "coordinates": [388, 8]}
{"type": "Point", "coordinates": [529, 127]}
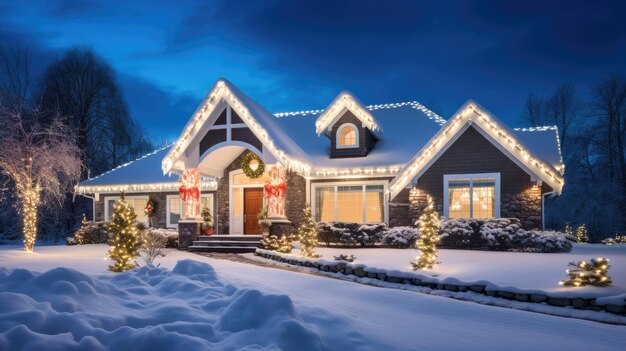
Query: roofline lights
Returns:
{"type": "Point", "coordinates": [471, 112]}
{"type": "Point", "coordinates": [341, 102]}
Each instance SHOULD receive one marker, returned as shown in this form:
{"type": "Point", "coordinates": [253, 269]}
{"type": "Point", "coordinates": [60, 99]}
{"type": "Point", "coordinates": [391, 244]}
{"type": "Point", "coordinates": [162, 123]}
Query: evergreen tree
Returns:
{"type": "Point", "coordinates": [126, 240]}
{"type": "Point", "coordinates": [307, 234]}
{"type": "Point", "coordinates": [581, 234]}
{"type": "Point", "coordinates": [568, 230]}
{"type": "Point", "coordinates": [594, 273]}
{"type": "Point", "coordinates": [428, 238]}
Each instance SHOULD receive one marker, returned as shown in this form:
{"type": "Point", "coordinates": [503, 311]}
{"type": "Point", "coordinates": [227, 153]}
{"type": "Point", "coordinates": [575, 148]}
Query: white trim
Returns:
{"type": "Point", "coordinates": [168, 223]}
{"type": "Point", "coordinates": [107, 215]}
{"type": "Point", "coordinates": [363, 184]}
{"type": "Point", "coordinates": [470, 176]}
{"type": "Point", "coordinates": [338, 137]}
{"type": "Point", "coordinates": [342, 103]}
{"type": "Point", "coordinates": [236, 225]}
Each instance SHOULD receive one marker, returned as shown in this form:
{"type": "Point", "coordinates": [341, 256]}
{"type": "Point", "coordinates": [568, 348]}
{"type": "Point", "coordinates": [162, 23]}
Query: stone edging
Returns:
{"type": "Point", "coordinates": [363, 271]}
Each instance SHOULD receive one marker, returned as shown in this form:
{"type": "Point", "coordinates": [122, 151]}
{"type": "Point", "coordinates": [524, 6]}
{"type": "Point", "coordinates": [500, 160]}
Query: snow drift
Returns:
{"type": "Point", "coordinates": [187, 308]}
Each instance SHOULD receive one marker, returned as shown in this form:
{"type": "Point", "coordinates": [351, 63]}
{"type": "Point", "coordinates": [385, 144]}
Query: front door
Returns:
{"type": "Point", "coordinates": [252, 203]}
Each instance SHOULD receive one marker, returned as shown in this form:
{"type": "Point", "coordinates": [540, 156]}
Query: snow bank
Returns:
{"type": "Point", "coordinates": [187, 308]}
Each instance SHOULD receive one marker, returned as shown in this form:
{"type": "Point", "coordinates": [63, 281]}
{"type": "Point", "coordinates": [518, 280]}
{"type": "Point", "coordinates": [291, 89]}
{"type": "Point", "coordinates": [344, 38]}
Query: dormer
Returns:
{"type": "Point", "coordinates": [349, 125]}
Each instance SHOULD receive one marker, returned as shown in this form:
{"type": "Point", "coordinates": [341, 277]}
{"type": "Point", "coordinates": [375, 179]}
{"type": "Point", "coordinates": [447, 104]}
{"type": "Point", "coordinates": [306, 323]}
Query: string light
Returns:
{"type": "Point", "coordinates": [30, 196]}
{"type": "Point", "coordinates": [345, 101]}
{"type": "Point", "coordinates": [470, 113]}
{"type": "Point", "coordinates": [593, 273]}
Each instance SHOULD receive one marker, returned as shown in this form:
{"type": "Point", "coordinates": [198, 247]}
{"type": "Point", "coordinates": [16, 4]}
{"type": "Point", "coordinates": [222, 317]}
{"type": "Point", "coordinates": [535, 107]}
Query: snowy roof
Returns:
{"type": "Point", "coordinates": [142, 174]}
{"type": "Point", "coordinates": [144, 170]}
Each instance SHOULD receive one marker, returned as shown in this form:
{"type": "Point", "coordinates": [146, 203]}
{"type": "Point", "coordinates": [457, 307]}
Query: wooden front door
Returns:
{"type": "Point", "coordinates": [252, 203]}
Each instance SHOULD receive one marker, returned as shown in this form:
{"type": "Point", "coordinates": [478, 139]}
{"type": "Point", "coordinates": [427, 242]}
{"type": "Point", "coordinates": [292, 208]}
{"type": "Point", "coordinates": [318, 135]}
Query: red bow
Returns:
{"type": "Point", "coordinates": [192, 193]}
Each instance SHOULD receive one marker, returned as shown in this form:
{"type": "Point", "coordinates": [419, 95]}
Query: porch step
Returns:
{"type": "Point", "coordinates": [226, 243]}
{"type": "Point", "coordinates": [225, 249]}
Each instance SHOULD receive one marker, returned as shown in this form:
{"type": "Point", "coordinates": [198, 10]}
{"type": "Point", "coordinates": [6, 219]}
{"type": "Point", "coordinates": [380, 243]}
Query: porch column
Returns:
{"type": "Point", "coordinates": [275, 191]}
{"type": "Point", "coordinates": [189, 226]}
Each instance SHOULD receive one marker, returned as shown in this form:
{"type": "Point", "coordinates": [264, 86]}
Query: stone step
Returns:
{"type": "Point", "coordinates": [224, 249]}
{"type": "Point", "coordinates": [254, 238]}
{"type": "Point", "coordinates": [226, 243]}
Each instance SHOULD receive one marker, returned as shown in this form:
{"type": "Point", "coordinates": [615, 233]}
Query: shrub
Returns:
{"type": "Point", "coordinates": [400, 237]}
{"type": "Point", "coordinates": [618, 239]}
{"type": "Point", "coordinates": [500, 234]}
{"type": "Point", "coordinates": [350, 234]}
{"type": "Point", "coordinates": [461, 234]}
{"type": "Point", "coordinates": [152, 243]}
{"type": "Point", "coordinates": [280, 244]}
{"type": "Point", "coordinates": [346, 258]}
{"type": "Point", "coordinates": [170, 235]}
{"type": "Point", "coordinates": [92, 233]}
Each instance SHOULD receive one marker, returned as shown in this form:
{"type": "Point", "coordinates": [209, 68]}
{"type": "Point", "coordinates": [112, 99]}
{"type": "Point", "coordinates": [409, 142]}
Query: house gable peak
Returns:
{"type": "Point", "coordinates": [342, 103]}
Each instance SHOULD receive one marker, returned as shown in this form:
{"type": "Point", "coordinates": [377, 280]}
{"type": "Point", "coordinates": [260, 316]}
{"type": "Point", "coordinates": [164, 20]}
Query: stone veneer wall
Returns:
{"type": "Point", "coordinates": [295, 199]}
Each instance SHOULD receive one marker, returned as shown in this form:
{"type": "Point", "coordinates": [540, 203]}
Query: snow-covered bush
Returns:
{"type": "Point", "coordinates": [170, 235]}
{"type": "Point", "coordinates": [460, 233]}
{"type": "Point", "coordinates": [500, 234]}
{"type": "Point", "coordinates": [400, 237]}
{"type": "Point", "coordinates": [92, 233]}
{"type": "Point", "coordinates": [618, 239]}
{"type": "Point", "coordinates": [152, 245]}
{"type": "Point", "coordinates": [350, 234]}
{"type": "Point", "coordinates": [344, 257]}
{"type": "Point", "coordinates": [543, 241]}
{"type": "Point", "coordinates": [277, 243]}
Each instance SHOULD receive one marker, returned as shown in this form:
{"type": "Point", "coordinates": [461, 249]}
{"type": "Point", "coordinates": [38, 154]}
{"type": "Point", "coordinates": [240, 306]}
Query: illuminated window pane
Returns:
{"type": "Point", "coordinates": [459, 202]}
{"type": "Point", "coordinates": [484, 197]}
{"type": "Point", "coordinates": [374, 203]}
{"type": "Point", "coordinates": [139, 206]}
{"type": "Point", "coordinates": [174, 213]}
{"type": "Point", "coordinates": [242, 179]}
{"type": "Point", "coordinates": [350, 204]}
{"type": "Point", "coordinates": [347, 136]}
{"type": "Point", "coordinates": [238, 201]}
{"type": "Point", "coordinates": [325, 204]}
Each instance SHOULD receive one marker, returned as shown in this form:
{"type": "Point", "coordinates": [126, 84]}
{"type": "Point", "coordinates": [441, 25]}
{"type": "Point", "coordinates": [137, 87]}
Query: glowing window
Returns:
{"type": "Point", "coordinates": [472, 196]}
{"type": "Point", "coordinates": [350, 203]}
{"type": "Point", "coordinates": [347, 136]}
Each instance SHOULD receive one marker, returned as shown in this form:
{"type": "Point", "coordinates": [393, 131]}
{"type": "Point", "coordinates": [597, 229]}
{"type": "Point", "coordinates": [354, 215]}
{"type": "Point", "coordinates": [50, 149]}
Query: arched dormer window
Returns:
{"type": "Point", "coordinates": [347, 136]}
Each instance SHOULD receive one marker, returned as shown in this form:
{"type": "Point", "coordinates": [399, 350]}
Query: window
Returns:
{"type": "Point", "coordinates": [138, 203]}
{"type": "Point", "coordinates": [347, 136]}
{"type": "Point", "coordinates": [360, 203]}
{"type": "Point", "coordinates": [472, 195]}
{"type": "Point", "coordinates": [175, 208]}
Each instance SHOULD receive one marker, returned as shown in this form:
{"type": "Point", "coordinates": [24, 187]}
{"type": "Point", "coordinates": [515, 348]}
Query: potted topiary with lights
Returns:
{"type": "Point", "coordinates": [207, 224]}
{"type": "Point", "coordinates": [264, 223]}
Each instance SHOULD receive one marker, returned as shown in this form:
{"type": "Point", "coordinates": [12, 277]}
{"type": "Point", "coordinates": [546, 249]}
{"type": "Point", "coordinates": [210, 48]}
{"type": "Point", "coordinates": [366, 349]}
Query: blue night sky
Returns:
{"type": "Point", "coordinates": [290, 55]}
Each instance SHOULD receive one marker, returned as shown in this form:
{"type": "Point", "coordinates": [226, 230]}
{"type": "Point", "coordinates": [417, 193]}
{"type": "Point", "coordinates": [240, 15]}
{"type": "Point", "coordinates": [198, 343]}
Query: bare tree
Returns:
{"type": "Point", "coordinates": [561, 109]}
{"type": "Point", "coordinates": [84, 87]}
{"type": "Point", "coordinates": [40, 157]}
{"type": "Point", "coordinates": [15, 76]}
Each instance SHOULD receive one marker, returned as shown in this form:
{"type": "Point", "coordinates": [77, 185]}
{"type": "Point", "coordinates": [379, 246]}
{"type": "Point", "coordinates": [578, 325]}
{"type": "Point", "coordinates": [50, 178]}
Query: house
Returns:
{"type": "Point", "coordinates": [350, 162]}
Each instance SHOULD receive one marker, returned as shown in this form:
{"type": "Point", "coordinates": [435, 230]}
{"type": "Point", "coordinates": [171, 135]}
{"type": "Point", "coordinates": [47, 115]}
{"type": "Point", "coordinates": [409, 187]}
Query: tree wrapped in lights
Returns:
{"type": "Point", "coordinates": [307, 234]}
{"type": "Point", "coordinates": [126, 240]}
{"type": "Point", "coordinates": [588, 273]}
{"type": "Point", "coordinates": [581, 234]}
{"type": "Point", "coordinates": [568, 230]}
{"type": "Point", "coordinates": [39, 156]}
{"type": "Point", "coordinates": [428, 224]}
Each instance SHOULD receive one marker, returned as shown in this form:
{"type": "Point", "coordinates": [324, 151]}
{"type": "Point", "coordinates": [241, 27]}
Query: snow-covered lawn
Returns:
{"type": "Point", "coordinates": [225, 305]}
{"type": "Point", "coordinates": [540, 272]}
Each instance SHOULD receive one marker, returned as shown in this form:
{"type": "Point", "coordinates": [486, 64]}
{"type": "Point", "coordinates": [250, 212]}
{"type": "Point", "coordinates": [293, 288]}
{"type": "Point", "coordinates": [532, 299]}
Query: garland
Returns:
{"type": "Point", "coordinates": [245, 165]}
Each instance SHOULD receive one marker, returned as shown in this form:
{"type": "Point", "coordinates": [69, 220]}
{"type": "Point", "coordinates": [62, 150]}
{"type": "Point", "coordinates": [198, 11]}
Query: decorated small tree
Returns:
{"type": "Point", "coordinates": [568, 230]}
{"type": "Point", "coordinates": [207, 221]}
{"type": "Point", "coordinates": [264, 223]}
{"type": "Point", "coordinates": [126, 240]}
{"type": "Point", "coordinates": [428, 224]}
{"type": "Point", "coordinates": [307, 234]}
{"type": "Point", "coordinates": [277, 243]}
{"type": "Point", "coordinates": [588, 273]}
{"type": "Point", "coordinates": [581, 234]}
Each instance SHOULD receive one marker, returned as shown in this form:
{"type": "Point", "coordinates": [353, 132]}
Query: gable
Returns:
{"type": "Point", "coordinates": [472, 153]}
{"type": "Point", "coordinates": [365, 138]}
{"type": "Point", "coordinates": [495, 131]}
{"type": "Point", "coordinates": [343, 103]}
